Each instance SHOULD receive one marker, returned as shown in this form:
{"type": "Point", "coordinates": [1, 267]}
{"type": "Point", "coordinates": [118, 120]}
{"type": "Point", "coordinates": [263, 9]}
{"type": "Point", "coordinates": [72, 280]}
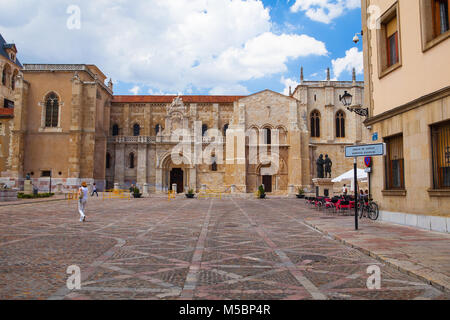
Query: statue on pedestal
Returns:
{"type": "Point", "coordinates": [328, 165]}
{"type": "Point", "coordinates": [320, 169]}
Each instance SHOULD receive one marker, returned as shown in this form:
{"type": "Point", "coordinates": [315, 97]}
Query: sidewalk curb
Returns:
{"type": "Point", "coordinates": [383, 259]}
{"type": "Point", "coordinates": [31, 202]}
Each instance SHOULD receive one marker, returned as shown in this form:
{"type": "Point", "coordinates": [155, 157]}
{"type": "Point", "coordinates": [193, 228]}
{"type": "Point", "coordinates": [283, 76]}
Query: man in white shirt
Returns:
{"type": "Point", "coordinates": [82, 200]}
{"type": "Point", "coordinates": [344, 190]}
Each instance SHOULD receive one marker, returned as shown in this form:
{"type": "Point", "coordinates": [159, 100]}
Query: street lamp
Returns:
{"type": "Point", "coordinates": [347, 99]}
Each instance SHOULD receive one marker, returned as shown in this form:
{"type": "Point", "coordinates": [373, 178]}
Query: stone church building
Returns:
{"type": "Point", "coordinates": [68, 127]}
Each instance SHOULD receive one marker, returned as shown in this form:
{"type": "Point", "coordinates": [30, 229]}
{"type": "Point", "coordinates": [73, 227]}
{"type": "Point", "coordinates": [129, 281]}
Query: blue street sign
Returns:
{"type": "Point", "coordinates": [368, 150]}
{"type": "Point", "coordinates": [375, 136]}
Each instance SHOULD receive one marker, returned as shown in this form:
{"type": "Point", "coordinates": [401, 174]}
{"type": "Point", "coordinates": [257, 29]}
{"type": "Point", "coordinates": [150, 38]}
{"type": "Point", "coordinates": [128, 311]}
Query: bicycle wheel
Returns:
{"type": "Point", "coordinates": [373, 211]}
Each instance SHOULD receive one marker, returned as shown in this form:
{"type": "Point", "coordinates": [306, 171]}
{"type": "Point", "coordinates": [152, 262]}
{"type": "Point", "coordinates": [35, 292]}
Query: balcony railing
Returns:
{"type": "Point", "coordinates": [159, 139]}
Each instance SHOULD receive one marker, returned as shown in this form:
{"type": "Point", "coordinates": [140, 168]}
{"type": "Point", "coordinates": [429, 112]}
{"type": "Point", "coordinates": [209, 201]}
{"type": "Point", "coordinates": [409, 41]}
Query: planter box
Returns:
{"type": "Point", "coordinates": [300, 196]}
{"type": "Point", "coordinates": [190, 196]}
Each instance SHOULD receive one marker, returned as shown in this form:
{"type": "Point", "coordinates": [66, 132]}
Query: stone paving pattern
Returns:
{"type": "Point", "coordinates": [423, 253]}
{"type": "Point", "coordinates": [186, 249]}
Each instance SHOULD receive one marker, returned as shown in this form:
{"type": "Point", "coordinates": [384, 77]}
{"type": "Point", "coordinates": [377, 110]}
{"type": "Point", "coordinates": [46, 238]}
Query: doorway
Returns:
{"type": "Point", "coordinates": [267, 182]}
{"type": "Point", "coordinates": [176, 176]}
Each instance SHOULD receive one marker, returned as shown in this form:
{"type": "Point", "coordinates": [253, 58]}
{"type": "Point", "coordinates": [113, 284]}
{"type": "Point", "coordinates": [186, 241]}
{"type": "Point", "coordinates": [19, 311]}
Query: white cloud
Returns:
{"type": "Point", "coordinates": [324, 11]}
{"type": "Point", "coordinates": [353, 59]}
{"type": "Point", "coordinates": [135, 90]}
{"type": "Point", "coordinates": [166, 46]}
{"type": "Point", "coordinates": [236, 89]}
{"type": "Point", "coordinates": [288, 82]}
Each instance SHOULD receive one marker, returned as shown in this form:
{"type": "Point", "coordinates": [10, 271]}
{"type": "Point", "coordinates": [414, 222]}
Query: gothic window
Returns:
{"type": "Point", "coordinates": [267, 136]}
{"type": "Point", "coordinates": [131, 160]}
{"type": "Point", "coordinates": [158, 129]}
{"type": "Point", "coordinates": [204, 129]}
{"type": "Point", "coordinates": [108, 161]}
{"type": "Point", "coordinates": [51, 110]}
{"type": "Point", "coordinates": [136, 130]}
{"type": "Point", "coordinates": [13, 80]}
{"type": "Point", "coordinates": [4, 75]}
{"type": "Point", "coordinates": [340, 125]}
{"type": "Point", "coordinates": [225, 129]}
{"type": "Point", "coordinates": [214, 164]}
{"type": "Point", "coordinates": [315, 124]}
{"type": "Point", "coordinates": [115, 130]}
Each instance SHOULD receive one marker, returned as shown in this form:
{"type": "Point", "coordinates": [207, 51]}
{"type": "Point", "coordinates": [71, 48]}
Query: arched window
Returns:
{"type": "Point", "coordinates": [340, 125]}
{"type": "Point", "coordinates": [108, 160]}
{"type": "Point", "coordinates": [131, 160]}
{"type": "Point", "coordinates": [267, 136]}
{"type": "Point", "coordinates": [13, 80]}
{"type": "Point", "coordinates": [5, 75]}
{"type": "Point", "coordinates": [51, 110]}
{"type": "Point", "coordinates": [225, 129]}
{"type": "Point", "coordinates": [204, 129]}
{"type": "Point", "coordinates": [315, 124]}
{"type": "Point", "coordinates": [115, 130]}
{"type": "Point", "coordinates": [136, 130]}
{"type": "Point", "coordinates": [158, 129]}
{"type": "Point", "coordinates": [214, 163]}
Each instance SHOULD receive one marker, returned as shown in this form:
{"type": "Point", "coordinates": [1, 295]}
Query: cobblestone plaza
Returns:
{"type": "Point", "coordinates": [186, 249]}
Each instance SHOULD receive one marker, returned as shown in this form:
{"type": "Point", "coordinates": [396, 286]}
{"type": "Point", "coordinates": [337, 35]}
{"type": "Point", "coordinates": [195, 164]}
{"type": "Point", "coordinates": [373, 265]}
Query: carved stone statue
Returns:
{"type": "Point", "coordinates": [328, 165]}
{"type": "Point", "coordinates": [320, 170]}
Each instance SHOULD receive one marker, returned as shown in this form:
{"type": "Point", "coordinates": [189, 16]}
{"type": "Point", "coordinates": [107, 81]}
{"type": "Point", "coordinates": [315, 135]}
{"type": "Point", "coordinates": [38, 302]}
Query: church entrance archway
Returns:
{"type": "Point", "coordinates": [267, 182]}
{"type": "Point", "coordinates": [177, 177]}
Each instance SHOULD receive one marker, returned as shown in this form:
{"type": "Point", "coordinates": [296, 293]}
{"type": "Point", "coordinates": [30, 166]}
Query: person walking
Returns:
{"type": "Point", "coordinates": [94, 190]}
{"type": "Point", "coordinates": [82, 200]}
{"type": "Point", "coordinates": [345, 190]}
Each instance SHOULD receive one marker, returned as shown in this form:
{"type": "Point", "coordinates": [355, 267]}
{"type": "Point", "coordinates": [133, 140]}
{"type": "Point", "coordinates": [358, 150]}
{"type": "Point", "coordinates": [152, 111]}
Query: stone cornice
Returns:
{"type": "Point", "coordinates": [442, 93]}
{"type": "Point", "coordinates": [63, 68]}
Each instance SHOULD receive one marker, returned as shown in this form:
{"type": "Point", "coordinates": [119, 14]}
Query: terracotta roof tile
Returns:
{"type": "Point", "coordinates": [169, 99]}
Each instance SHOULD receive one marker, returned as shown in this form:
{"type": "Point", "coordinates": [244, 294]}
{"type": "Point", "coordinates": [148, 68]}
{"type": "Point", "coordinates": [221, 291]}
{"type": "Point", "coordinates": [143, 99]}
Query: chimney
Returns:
{"type": "Point", "coordinates": [328, 74]}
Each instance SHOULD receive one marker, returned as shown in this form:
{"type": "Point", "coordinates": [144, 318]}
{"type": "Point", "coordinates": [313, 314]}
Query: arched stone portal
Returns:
{"type": "Point", "coordinates": [168, 173]}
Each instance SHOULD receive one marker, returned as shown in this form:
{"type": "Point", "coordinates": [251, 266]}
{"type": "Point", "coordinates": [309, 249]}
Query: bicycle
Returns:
{"type": "Point", "coordinates": [368, 208]}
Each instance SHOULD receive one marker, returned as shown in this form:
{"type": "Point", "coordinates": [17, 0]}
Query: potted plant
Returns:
{"type": "Point", "coordinates": [261, 192]}
{"type": "Point", "coordinates": [190, 194]}
{"type": "Point", "coordinates": [301, 193]}
{"type": "Point", "coordinates": [136, 193]}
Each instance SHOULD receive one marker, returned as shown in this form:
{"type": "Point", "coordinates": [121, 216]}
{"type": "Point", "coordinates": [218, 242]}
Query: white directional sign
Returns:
{"type": "Point", "coordinates": [368, 150]}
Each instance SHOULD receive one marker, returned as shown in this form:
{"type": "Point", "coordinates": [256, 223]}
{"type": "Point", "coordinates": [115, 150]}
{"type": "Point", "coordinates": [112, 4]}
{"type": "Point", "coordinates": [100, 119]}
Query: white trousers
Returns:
{"type": "Point", "coordinates": [81, 207]}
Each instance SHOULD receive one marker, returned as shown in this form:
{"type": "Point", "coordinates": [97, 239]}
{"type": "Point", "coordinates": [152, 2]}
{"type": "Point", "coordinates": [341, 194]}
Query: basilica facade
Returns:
{"type": "Point", "coordinates": [69, 127]}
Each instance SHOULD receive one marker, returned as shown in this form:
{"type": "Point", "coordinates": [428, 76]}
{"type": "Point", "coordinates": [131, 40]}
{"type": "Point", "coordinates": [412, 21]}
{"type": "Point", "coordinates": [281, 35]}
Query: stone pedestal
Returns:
{"type": "Point", "coordinates": [27, 187]}
{"type": "Point", "coordinates": [323, 187]}
{"type": "Point", "coordinates": [175, 187]}
{"type": "Point", "coordinates": [145, 189]}
{"type": "Point", "coordinates": [233, 188]}
{"type": "Point", "coordinates": [116, 186]}
{"type": "Point", "coordinates": [291, 190]}
{"type": "Point", "coordinates": [59, 188]}
{"type": "Point", "coordinates": [203, 189]}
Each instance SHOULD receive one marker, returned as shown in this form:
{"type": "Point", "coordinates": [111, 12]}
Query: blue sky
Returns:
{"type": "Point", "coordinates": [191, 46]}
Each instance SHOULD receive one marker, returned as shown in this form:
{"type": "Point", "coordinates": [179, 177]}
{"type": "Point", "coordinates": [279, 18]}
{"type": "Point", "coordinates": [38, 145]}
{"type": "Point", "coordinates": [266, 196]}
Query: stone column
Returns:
{"type": "Point", "coordinates": [119, 173]}
{"type": "Point", "coordinates": [193, 179]}
{"type": "Point", "coordinates": [142, 165]}
{"type": "Point", "coordinates": [159, 181]}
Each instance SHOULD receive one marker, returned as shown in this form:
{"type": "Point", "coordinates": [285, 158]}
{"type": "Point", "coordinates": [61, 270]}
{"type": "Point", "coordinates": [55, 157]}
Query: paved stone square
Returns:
{"type": "Point", "coordinates": [185, 249]}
